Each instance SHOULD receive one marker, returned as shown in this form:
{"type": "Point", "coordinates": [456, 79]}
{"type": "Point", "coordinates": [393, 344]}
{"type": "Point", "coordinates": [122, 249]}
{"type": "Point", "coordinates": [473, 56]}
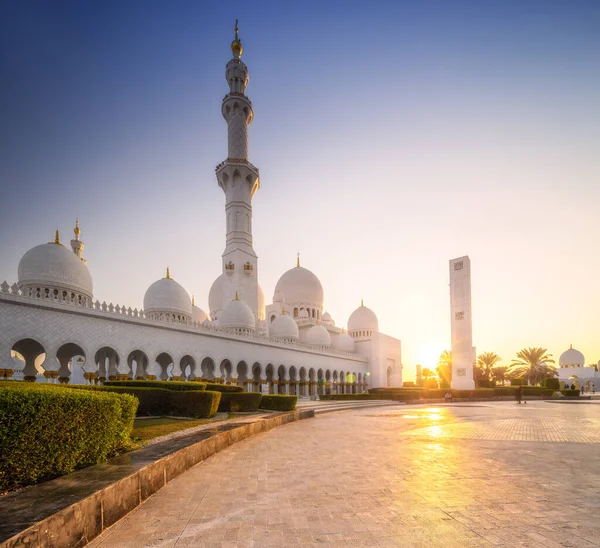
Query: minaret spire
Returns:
{"type": "Point", "coordinates": [76, 244]}
{"type": "Point", "coordinates": [239, 180]}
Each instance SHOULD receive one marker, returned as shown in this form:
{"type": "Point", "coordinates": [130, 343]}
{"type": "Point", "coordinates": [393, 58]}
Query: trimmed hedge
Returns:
{"type": "Point", "coordinates": [571, 392]}
{"type": "Point", "coordinates": [505, 391]}
{"type": "Point", "coordinates": [344, 397]}
{"type": "Point", "coordinates": [159, 401]}
{"type": "Point", "coordinates": [47, 430]}
{"type": "Point", "coordinates": [239, 401]}
{"type": "Point", "coordinates": [223, 387]}
{"type": "Point", "coordinates": [552, 383]}
{"type": "Point", "coordinates": [537, 391]}
{"type": "Point", "coordinates": [167, 385]}
{"type": "Point", "coordinates": [278, 402]}
{"type": "Point", "coordinates": [518, 382]}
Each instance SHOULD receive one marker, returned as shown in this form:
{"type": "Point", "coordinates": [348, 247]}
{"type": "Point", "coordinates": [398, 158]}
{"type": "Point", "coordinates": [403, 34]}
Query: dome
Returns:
{"type": "Point", "coordinates": [261, 304]}
{"type": "Point", "coordinates": [300, 286]}
{"type": "Point", "coordinates": [363, 318]}
{"type": "Point", "coordinates": [343, 342]}
{"type": "Point", "coordinates": [571, 357]}
{"type": "Point", "coordinates": [303, 313]}
{"type": "Point", "coordinates": [327, 319]}
{"type": "Point", "coordinates": [279, 297]}
{"type": "Point", "coordinates": [198, 315]}
{"type": "Point", "coordinates": [166, 295]}
{"type": "Point", "coordinates": [237, 315]}
{"type": "Point", "coordinates": [318, 336]}
{"type": "Point", "coordinates": [283, 327]}
{"type": "Point", "coordinates": [56, 266]}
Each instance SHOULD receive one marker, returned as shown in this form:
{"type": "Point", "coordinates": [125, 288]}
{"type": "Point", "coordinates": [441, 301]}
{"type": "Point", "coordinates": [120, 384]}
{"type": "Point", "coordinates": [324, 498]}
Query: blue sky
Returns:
{"type": "Point", "coordinates": [391, 137]}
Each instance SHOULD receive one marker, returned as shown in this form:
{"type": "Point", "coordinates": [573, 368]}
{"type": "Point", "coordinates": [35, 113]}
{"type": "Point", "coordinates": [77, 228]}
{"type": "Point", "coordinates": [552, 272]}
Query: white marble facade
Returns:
{"type": "Point", "coordinates": [52, 328]}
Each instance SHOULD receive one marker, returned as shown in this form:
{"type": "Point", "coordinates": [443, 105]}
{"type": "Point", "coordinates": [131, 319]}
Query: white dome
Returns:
{"type": "Point", "coordinates": [343, 342]}
{"type": "Point", "coordinates": [166, 295]}
{"type": "Point", "coordinates": [261, 304]}
{"type": "Point", "coordinates": [363, 318]}
{"type": "Point", "coordinates": [300, 286]}
{"type": "Point", "coordinates": [283, 327]}
{"type": "Point", "coordinates": [56, 266]}
{"type": "Point", "coordinates": [571, 357]}
{"type": "Point", "coordinates": [237, 315]}
{"type": "Point", "coordinates": [327, 319]}
{"type": "Point", "coordinates": [198, 315]}
{"type": "Point", "coordinates": [318, 336]}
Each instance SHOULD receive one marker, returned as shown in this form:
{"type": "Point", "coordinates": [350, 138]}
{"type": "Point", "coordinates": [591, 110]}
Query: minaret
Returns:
{"type": "Point", "coordinates": [239, 180]}
{"type": "Point", "coordinates": [76, 244]}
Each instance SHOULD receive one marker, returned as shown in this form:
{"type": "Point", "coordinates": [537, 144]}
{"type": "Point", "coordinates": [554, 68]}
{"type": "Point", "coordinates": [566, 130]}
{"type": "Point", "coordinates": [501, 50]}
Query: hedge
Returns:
{"type": "Point", "coordinates": [167, 385]}
{"type": "Point", "coordinates": [344, 397]}
{"type": "Point", "coordinates": [571, 392]}
{"type": "Point", "coordinates": [223, 387]}
{"type": "Point", "coordinates": [239, 401]}
{"type": "Point", "coordinates": [47, 430]}
{"type": "Point", "coordinates": [552, 383]}
{"type": "Point", "coordinates": [536, 391]}
{"type": "Point", "coordinates": [505, 391]}
{"type": "Point", "coordinates": [159, 401]}
{"type": "Point", "coordinates": [278, 402]}
{"type": "Point", "coordinates": [518, 382]}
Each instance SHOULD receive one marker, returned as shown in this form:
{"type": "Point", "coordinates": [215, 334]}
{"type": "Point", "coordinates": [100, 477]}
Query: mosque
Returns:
{"type": "Point", "coordinates": [53, 329]}
{"type": "Point", "coordinates": [573, 372]}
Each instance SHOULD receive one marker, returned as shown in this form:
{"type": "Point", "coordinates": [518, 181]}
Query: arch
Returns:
{"type": "Point", "coordinates": [296, 312]}
{"type": "Point", "coordinates": [242, 373]}
{"type": "Point", "coordinates": [281, 379]}
{"type": "Point", "coordinates": [342, 386]}
{"type": "Point", "coordinates": [226, 369]}
{"type": "Point", "coordinates": [71, 359]}
{"type": "Point", "coordinates": [30, 356]}
{"type": "Point", "coordinates": [187, 364]}
{"type": "Point", "coordinates": [107, 360]}
{"type": "Point", "coordinates": [389, 376]}
{"type": "Point", "coordinates": [270, 373]}
{"type": "Point", "coordinates": [165, 363]}
{"type": "Point", "coordinates": [273, 317]}
{"type": "Point", "coordinates": [207, 366]}
{"type": "Point", "coordinates": [138, 364]}
{"type": "Point", "coordinates": [256, 377]}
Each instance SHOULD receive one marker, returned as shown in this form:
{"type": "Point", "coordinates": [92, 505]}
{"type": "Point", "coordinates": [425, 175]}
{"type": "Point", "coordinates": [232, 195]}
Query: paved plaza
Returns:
{"type": "Point", "coordinates": [481, 474]}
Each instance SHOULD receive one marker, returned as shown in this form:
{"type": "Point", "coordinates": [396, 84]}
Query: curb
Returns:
{"type": "Point", "coordinates": [89, 501]}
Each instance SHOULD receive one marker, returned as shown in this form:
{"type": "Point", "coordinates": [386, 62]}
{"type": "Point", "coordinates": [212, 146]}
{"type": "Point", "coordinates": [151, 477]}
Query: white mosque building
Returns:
{"type": "Point", "coordinates": [52, 328]}
{"type": "Point", "coordinates": [573, 372]}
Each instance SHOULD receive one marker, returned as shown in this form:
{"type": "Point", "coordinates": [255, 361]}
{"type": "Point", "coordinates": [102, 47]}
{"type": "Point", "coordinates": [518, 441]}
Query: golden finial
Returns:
{"type": "Point", "coordinates": [76, 229]}
{"type": "Point", "coordinates": [237, 296]}
{"type": "Point", "coordinates": [192, 300]}
{"type": "Point", "coordinates": [56, 238]}
{"type": "Point", "coordinates": [362, 303]}
{"type": "Point", "coordinates": [168, 276]}
{"type": "Point", "coordinates": [298, 259]}
{"type": "Point", "coordinates": [236, 45]}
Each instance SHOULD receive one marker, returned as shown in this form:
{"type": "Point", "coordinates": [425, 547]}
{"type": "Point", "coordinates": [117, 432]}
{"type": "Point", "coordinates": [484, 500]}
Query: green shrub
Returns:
{"type": "Point", "coordinates": [501, 391]}
{"type": "Point", "coordinates": [215, 387]}
{"type": "Point", "coordinates": [167, 385]}
{"type": "Point", "coordinates": [48, 430]}
{"type": "Point", "coordinates": [477, 393]}
{"type": "Point", "coordinates": [536, 391]}
{"type": "Point", "coordinates": [484, 383]}
{"type": "Point", "coordinates": [518, 382]}
{"type": "Point", "coordinates": [553, 383]}
{"type": "Point", "coordinates": [431, 384]}
{"type": "Point", "coordinates": [571, 392]}
{"type": "Point", "coordinates": [198, 404]}
{"type": "Point", "coordinates": [278, 402]}
{"type": "Point", "coordinates": [359, 397]}
{"type": "Point", "coordinates": [239, 401]}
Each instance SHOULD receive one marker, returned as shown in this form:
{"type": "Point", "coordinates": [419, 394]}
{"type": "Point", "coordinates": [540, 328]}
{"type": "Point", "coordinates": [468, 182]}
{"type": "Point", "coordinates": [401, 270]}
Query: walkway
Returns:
{"type": "Point", "coordinates": [484, 474]}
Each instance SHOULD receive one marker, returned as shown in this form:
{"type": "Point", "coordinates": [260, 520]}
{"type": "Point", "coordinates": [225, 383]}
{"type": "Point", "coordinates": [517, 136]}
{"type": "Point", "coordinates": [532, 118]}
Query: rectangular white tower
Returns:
{"type": "Point", "coordinates": [461, 324]}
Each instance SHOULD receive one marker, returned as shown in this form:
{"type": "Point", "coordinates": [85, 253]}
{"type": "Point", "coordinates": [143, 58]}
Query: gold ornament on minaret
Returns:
{"type": "Point", "coordinates": [236, 45]}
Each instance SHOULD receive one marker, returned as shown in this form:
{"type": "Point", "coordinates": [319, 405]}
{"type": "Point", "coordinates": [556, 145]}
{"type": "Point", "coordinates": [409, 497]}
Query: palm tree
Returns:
{"type": "Point", "coordinates": [532, 364]}
{"type": "Point", "coordinates": [500, 373]}
{"type": "Point", "coordinates": [444, 367]}
{"type": "Point", "coordinates": [485, 363]}
{"type": "Point", "coordinates": [426, 373]}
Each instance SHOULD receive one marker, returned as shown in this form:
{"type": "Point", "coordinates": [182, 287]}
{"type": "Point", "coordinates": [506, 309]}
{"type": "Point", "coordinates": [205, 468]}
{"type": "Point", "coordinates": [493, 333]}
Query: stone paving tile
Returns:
{"type": "Point", "coordinates": [453, 476]}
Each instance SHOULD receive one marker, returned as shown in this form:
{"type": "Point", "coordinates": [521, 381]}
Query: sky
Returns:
{"type": "Point", "coordinates": [390, 136]}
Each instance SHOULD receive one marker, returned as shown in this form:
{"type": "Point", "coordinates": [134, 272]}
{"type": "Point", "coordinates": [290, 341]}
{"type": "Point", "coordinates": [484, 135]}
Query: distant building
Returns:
{"type": "Point", "coordinates": [573, 372]}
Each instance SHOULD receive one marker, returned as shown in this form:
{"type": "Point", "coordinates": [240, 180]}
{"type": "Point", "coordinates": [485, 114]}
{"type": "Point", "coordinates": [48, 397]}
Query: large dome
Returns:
{"type": "Point", "coordinates": [318, 336]}
{"type": "Point", "coordinates": [571, 357]}
{"type": "Point", "coordinates": [215, 298]}
{"type": "Point", "coordinates": [343, 342]}
{"type": "Point", "coordinates": [198, 315]}
{"type": "Point", "coordinates": [54, 265]}
{"type": "Point", "coordinates": [300, 286]}
{"type": "Point", "coordinates": [283, 327]}
{"type": "Point", "coordinates": [167, 296]}
{"type": "Point", "coordinates": [363, 318]}
{"type": "Point", "coordinates": [237, 315]}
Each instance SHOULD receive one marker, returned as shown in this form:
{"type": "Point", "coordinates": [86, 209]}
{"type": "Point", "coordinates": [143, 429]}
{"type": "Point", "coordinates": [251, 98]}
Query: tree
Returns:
{"type": "Point", "coordinates": [426, 373]}
{"type": "Point", "coordinates": [486, 363]}
{"type": "Point", "coordinates": [533, 364]}
{"type": "Point", "coordinates": [444, 368]}
{"type": "Point", "coordinates": [500, 373]}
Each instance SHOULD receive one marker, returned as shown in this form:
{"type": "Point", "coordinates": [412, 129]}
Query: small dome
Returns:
{"type": "Point", "coordinates": [54, 265]}
{"type": "Point", "coordinates": [327, 319]}
{"type": "Point", "coordinates": [167, 296]}
{"type": "Point", "coordinates": [343, 342]}
{"type": "Point", "coordinates": [571, 357]}
{"type": "Point", "coordinates": [303, 313]}
{"type": "Point", "coordinates": [363, 318]}
{"type": "Point", "coordinates": [318, 336]}
{"type": "Point", "coordinates": [261, 304]}
{"type": "Point", "coordinates": [198, 315]}
{"type": "Point", "coordinates": [283, 327]}
{"type": "Point", "coordinates": [300, 287]}
{"type": "Point", "coordinates": [237, 315]}
{"type": "Point", "coordinates": [215, 295]}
